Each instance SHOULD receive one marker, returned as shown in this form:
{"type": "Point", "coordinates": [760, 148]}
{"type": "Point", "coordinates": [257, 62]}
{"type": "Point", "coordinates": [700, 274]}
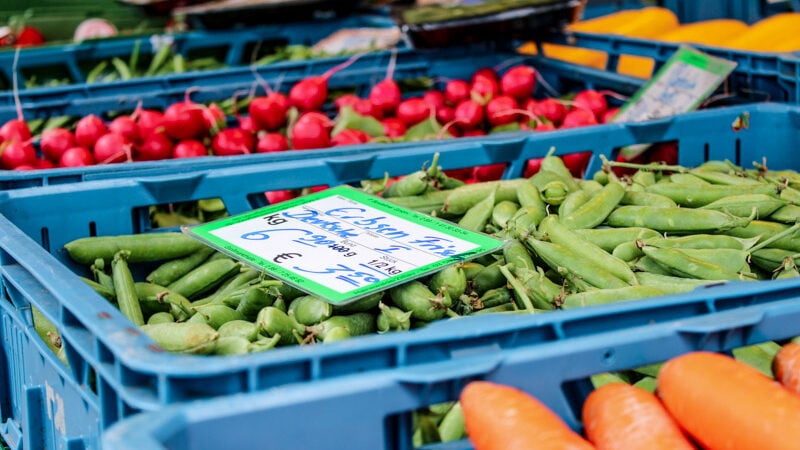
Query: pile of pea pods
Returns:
{"type": "Point", "coordinates": [570, 243]}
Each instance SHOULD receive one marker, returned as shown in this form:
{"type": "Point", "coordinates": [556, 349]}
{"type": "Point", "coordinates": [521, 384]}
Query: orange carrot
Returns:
{"type": "Point", "coordinates": [499, 417]}
{"type": "Point", "coordinates": [786, 366]}
{"type": "Point", "coordinates": [726, 404]}
{"type": "Point", "coordinates": [618, 416]}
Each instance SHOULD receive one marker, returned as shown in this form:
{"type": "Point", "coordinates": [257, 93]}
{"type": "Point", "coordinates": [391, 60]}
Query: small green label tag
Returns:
{"type": "Point", "coordinates": [342, 244]}
{"type": "Point", "coordinates": [687, 79]}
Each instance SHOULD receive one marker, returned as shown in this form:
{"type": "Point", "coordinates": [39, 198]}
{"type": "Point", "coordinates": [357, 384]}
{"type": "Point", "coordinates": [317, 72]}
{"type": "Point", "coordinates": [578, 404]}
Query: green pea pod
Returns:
{"type": "Point", "coordinates": [767, 230]}
{"type": "Point", "coordinates": [425, 203]}
{"type": "Point", "coordinates": [690, 196]}
{"type": "Point", "coordinates": [597, 209]}
{"type": "Point", "coordinates": [122, 69]}
{"type": "Point", "coordinates": [217, 315]}
{"type": "Point", "coordinates": [461, 199]}
{"type": "Point", "coordinates": [46, 330]}
{"type": "Point", "coordinates": [628, 251]}
{"type": "Point", "coordinates": [254, 299]}
{"type": "Point", "coordinates": [605, 296]}
{"type": "Point", "coordinates": [105, 292]}
{"type": "Point", "coordinates": [591, 187]}
{"type": "Point", "coordinates": [609, 238]}
{"type": "Point", "coordinates": [556, 255]}
{"type": "Point", "coordinates": [471, 269]}
{"type": "Point", "coordinates": [416, 298]}
{"type": "Point", "coordinates": [743, 205]}
{"type": "Point", "coordinates": [723, 178]}
{"type": "Point", "coordinates": [495, 297]}
{"type": "Point", "coordinates": [525, 221]}
{"type": "Point", "coordinates": [231, 345]}
{"type": "Point", "coordinates": [601, 177]}
{"type": "Point", "coordinates": [700, 241]}
{"type": "Point", "coordinates": [205, 277]}
{"type": "Point", "coordinates": [759, 356]}
{"type": "Point", "coordinates": [502, 212]}
{"type": "Point", "coordinates": [644, 178]}
{"type": "Point", "coordinates": [451, 280]}
{"type": "Point", "coordinates": [160, 317]}
{"type": "Point", "coordinates": [185, 337]}
{"type": "Point", "coordinates": [685, 179]}
{"type": "Point", "coordinates": [544, 293]}
{"type": "Point", "coordinates": [363, 304]}
{"type": "Point", "coordinates": [573, 201]}
{"type": "Point", "coordinates": [489, 277]}
{"type": "Point", "coordinates": [336, 334]}
{"type": "Point", "coordinates": [143, 247]}
{"type": "Point", "coordinates": [171, 270]}
{"type": "Point", "coordinates": [310, 310]}
{"type": "Point", "coordinates": [788, 269]}
{"type": "Point", "coordinates": [771, 259]}
{"type": "Point", "coordinates": [648, 384]}
{"type": "Point", "coordinates": [681, 264]}
{"type": "Point", "coordinates": [516, 253]}
{"type": "Point", "coordinates": [641, 198]}
{"type": "Point", "coordinates": [675, 220]}
{"type": "Point", "coordinates": [559, 233]}
{"type": "Point", "coordinates": [476, 217]}
{"type": "Point", "coordinates": [672, 283]}
{"type": "Point", "coordinates": [451, 428]}
{"type": "Point", "coordinates": [241, 328]}
{"type": "Point", "coordinates": [392, 318]}
{"type": "Point", "coordinates": [100, 275]}
{"type": "Point", "coordinates": [356, 325]}
{"type": "Point", "coordinates": [504, 308]}
{"type": "Point", "coordinates": [729, 258]}
{"type": "Point", "coordinates": [124, 288]}
{"type": "Point", "coordinates": [556, 165]}
{"type": "Point", "coordinates": [261, 345]}
{"type": "Point", "coordinates": [272, 321]}
{"type": "Point", "coordinates": [528, 196]}
{"type": "Point", "coordinates": [786, 214]}
{"type": "Point", "coordinates": [160, 57]}
{"type": "Point", "coordinates": [552, 187]}
{"type": "Point", "coordinates": [649, 265]}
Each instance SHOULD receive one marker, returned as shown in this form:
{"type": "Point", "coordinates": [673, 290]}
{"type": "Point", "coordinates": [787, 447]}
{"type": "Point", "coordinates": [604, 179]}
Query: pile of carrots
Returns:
{"type": "Point", "coordinates": [703, 399]}
{"type": "Point", "coordinates": [776, 33]}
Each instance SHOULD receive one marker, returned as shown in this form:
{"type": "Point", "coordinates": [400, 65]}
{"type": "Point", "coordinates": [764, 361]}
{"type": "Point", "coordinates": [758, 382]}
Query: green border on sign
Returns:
{"type": "Point", "coordinates": [485, 243]}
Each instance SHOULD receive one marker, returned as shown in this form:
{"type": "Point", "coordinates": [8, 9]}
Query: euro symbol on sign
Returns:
{"type": "Point", "coordinates": [285, 256]}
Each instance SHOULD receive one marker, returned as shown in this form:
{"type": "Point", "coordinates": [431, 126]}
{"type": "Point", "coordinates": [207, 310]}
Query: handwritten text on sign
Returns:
{"type": "Point", "coordinates": [342, 244]}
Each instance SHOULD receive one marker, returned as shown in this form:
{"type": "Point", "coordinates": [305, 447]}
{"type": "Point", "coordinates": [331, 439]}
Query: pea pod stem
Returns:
{"type": "Point", "coordinates": [519, 289]}
{"type": "Point", "coordinates": [775, 237]}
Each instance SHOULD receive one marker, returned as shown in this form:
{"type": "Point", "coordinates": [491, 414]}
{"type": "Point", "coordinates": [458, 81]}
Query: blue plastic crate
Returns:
{"type": "Point", "coordinates": [371, 411]}
{"type": "Point", "coordinates": [448, 63]}
{"type": "Point", "coordinates": [233, 47]}
{"type": "Point", "coordinates": [115, 371]}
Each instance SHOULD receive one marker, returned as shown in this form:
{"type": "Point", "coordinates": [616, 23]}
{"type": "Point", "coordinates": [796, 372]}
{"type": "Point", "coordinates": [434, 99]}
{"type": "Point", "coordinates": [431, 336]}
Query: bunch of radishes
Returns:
{"type": "Point", "coordinates": [276, 121]}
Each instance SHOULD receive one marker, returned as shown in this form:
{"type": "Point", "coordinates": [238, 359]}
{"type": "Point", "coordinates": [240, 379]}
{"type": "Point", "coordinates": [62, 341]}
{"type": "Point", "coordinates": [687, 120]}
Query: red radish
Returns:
{"type": "Point", "coordinates": [489, 172]}
{"type": "Point", "coordinates": [125, 126]}
{"type": "Point", "coordinates": [365, 107]}
{"type": "Point", "coordinates": [17, 153]}
{"type": "Point", "coordinates": [531, 167]}
{"type": "Point", "coordinates": [666, 152]}
{"type": "Point", "coordinates": [112, 148]}
{"type": "Point", "coordinates": [214, 117]}
{"type": "Point", "coordinates": [578, 118]}
{"type": "Point", "coordinates": [386, 96]}
{"type": "Point", "coordinates": [248, 124]}
{"type": "Point", "coordinates": [55, 142]}
{"type": "Point", "coordinates": [184, 120]}
{"type": "Point", "coordinates": [44, 163]}
{"type": "Point", "coordinates": [76, 157]}
{"type": "Point", "coordinates": [445, 114]}
{"type": "Point", "coordinates": [549, 108]}
{"type": "Point", "coordinates": [272, 142]}
{"type": "Point", "coordinates": [484, 72]}
{"type": "Point", "coordinates": [233, 141]}
{"type": "Point", "coordinates": [94, 28]}
{"type": "Point", "coordinates": [394, 127]}
{"type": "Point", "coordinates": [189, 148]}
{"type": "Point", "coordinates": [350, 137]}
{"type": "Point", "coordinates": [310, 94]}
{"type": "Point", "coordinates": [269, 113]}
{"type": "Point", "coordinates": [312, 130]}
{"type": "Point", "coordinates": [25, 167]}
{"type": "Point", "coordinates": [279, 196]}
{"type": "Point", "coordinates": [484, 88]}
{"type": "Point", "coordinates": [413, 111]}
{"type": "Point", "coordinates": [499, 110]}
{"type": "Point", "coordinates": [474, 133]}
{"type": "Point", "coordinates": [469, 114]}
{"type": "Point", "coordinates": [88, 130]}
{"type": "Point", "coordinates": [545, 126]}
{"type": "Point", "coordinates": [460, 174]}
{"type": "Point", "coordinates": [518, 82]}
{"type": "Point", "coordinates": [346, 100]}
{"type": "Point", "coordinates": [149, 121]}
{"type": "Point", "coordinates": [154, 147]}
{"type": "Point", "coordinates": [15, 130]}
{"type": "Point", "coordinates": [591, 100]}
{"type": "Point", "coordinates": [608, 115]}
{"type": "Point", "coordinates": [434, 98]}
{"type": "Point", "coordinates": [577, 162]}
{"type": "Point", "coordinates": [456, 91]}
